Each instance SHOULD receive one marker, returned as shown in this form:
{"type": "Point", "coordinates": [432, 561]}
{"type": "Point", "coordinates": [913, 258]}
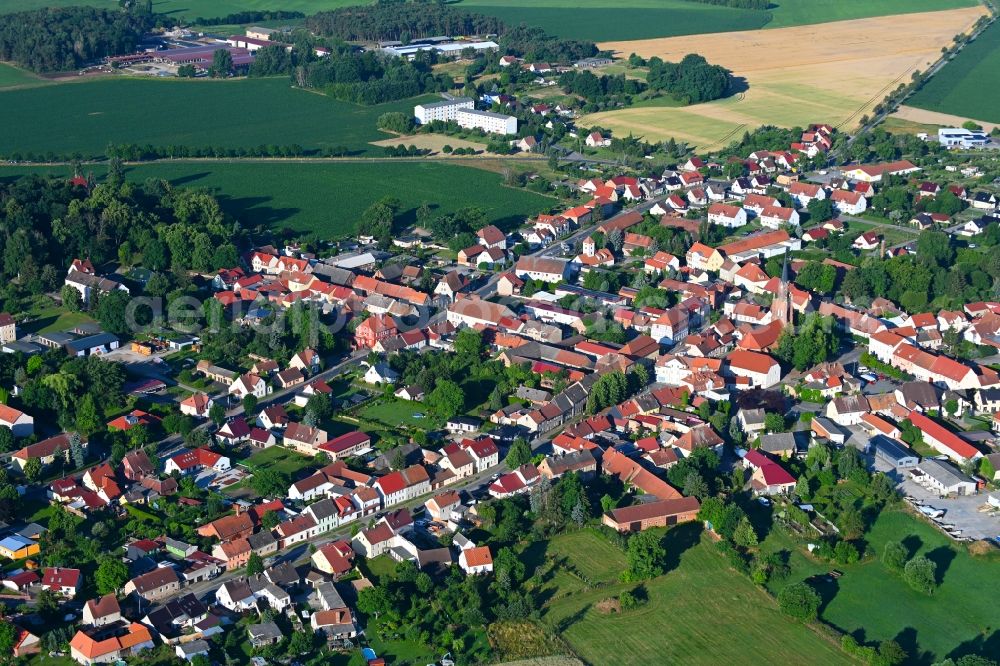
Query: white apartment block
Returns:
{"type": "Point", "coordinates": [462, 111]}
{"type": "Point", "coordinates": [444, 111]}
{"type": "Point", "coordinates": [494, 123]}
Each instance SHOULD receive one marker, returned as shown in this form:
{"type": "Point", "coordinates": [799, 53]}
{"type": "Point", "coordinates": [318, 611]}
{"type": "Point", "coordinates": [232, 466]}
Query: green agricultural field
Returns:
{"type": "Point", "coordinates": [86, 116]}
{"type": "Point", "coordinates": [598, 20]}
{"type": "Point", "coordinates": [189, 8]}
{"type": "Point", "coordinates": [874, 604]}
{"type": "Point", "coordinates": [807, 12]}
{"type": "Point", "coordinates": [13, 77]}
{"type": "Point", "coordinates": [699, 612]}
{"type": "Point", "coordinates": [969, 85]}
{"type": "Point", "coordinates": [327, 198]}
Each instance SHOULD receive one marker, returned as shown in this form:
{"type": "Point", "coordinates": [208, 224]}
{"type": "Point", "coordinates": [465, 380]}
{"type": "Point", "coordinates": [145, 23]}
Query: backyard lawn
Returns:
{"type": "Point", "coordinates": [394, 412]}
{"type": "Point", "coordinates": [279, 459]}
{"type": "Point", "coordinates": [47, 317]}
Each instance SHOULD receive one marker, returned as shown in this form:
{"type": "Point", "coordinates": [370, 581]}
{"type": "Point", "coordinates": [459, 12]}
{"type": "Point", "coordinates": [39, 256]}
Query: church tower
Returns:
{"type": "Point", "coordinates": [781, 306]}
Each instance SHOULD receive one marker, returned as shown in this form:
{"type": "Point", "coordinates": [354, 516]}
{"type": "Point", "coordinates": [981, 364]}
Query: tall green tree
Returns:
{"type": "Point", "coordinates": [644, 556]}
{"type": "Point", "coordinates": [111, 575]}
{"type": "Point", "coordinates": [518, 454]}
{"type": "Point", "coordinates": [799, 600]}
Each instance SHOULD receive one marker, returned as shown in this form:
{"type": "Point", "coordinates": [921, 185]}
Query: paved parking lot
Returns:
{"type": "Point", "coordinates": [962, 512]}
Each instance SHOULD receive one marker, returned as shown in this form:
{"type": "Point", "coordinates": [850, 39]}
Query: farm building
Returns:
{"type": "Point", "coordinates": [943, 477]}
{"type": "Point", "coordinates": [893, 453]}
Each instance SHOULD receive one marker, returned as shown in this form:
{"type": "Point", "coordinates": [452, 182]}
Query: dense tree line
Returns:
{"type": "Point", "coordinates": [534, 44]}
{"type": "Point", "coordinates": [594, 88]}
{"type": "Point", "coordinates": [738, 4]}
{"type": "Point", "coordinates": [370, 78]}
{"type": "Point", "coordinates": [765, 137]}
{"type": "Point", "coordinates": [271, 61]}
{"type": "Point", "coordinates": [406, 21]}
{"type": "Point", "coordinates": [46, 223]}
{"type": "Point", "coordinates": [693, 78]}
{"type": "Point", "coordinates": [48, 40]}
{"type": "Point", "coordinates": [250, 16]}
{"type": "Point", "coordinates": [402, 21]}
{"type": "Point", "coordinates": [940, 276]}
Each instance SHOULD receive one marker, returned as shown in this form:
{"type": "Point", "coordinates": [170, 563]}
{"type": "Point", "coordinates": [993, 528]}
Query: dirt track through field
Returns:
{"type": "Point", "coordinates": [830, 73]}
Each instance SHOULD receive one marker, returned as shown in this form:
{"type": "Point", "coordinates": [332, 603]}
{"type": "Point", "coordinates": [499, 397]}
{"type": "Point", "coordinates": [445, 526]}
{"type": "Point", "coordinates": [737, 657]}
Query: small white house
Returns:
{"type": "Point", "coordinates": [381, 374]}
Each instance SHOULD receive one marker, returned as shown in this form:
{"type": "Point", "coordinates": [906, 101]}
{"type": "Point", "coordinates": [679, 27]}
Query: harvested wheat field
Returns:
{"type": "Point", "coordinates": [926, 117]}
{"type": "Point", "coordinates": [831, 73]}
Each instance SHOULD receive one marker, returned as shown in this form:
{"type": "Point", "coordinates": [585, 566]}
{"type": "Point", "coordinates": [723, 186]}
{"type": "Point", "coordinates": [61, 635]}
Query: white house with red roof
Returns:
{"type": "Point", "coordinates": [727, 216]}
{"type": "Point", "coordinates": [335, 558]}
{"type": "Point", "coordinates": [20, 424]}
{"type": "Point", "coordinates": [943, 440]}
{"type": "Point", "coordinates": [693, 164]}
{"type": "Point", "coordinates": [196, 460]}
{"type": "Point", "coordinates": [873, 173]}
{"type": "Point", "coordinates": [197, 405]}
{"type": "Point", "coordinates": [775, 217]}
{"type": "Point", "coordinates": [403, 485]}
{"type": "Point", "coordinates": [866, 241]}
{"type": "Point", "coordinates": [233, 431]}
{"type": "Point", "coordinates": [491, 236]}
{"type": "Point", "coordinates": [804, 193]}
{"type": "Point", "coordinates": [477, 560]}
{"type": "Point", "coordinates": [848, 203]}
{"type": "Point", "coordinates": [758, 370]}
{"type": "Point", "coordinates": [306, 360]}
{"type": "Point", "coordinates": [752, 278]}
{"type": "Point", "coordinates": [661, 262]}
{"type": "Point", "coordinates": [767, 476]}
{"type": "Point", "coordinates": [346, 445]}
{"type": "Point", "coordinates": [516, 482]}
{"type": "Point", "coordinates": [61, 581]}
{"type": "Point", "coordinates": [670, 326]}
{"type": "Point", "coordinates": [249, 384]}
{"type": "Point", "coordinates": [484, 452]}
{"type": "Point", "coordinates": [596, 140]}
{"type": "Point", "coordinates": [444, 506]}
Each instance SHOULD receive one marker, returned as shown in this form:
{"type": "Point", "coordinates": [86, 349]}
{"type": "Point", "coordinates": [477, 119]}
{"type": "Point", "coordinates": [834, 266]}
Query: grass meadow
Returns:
{"type": "Point", "coordinates": [86, 116]}
{"type": "Point", "coordinates": [874, 604]}
{"type": "Point", "coordinates": [969, 85]}
{"type": "Point", "coordinates": [699, 612]}
{"type": "Point", "coordinates": [325, 199]}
